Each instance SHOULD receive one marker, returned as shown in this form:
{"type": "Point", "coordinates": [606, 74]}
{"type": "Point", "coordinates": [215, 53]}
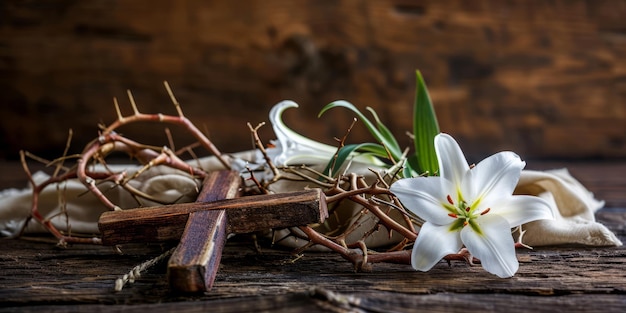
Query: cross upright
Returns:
{"type": "Point", "coordinates": [202, 227]}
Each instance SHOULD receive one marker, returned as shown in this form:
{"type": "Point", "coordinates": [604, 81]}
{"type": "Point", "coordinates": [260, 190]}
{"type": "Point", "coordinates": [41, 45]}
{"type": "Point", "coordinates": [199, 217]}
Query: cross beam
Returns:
{"type": "Point", "coordinates": [201, 227]}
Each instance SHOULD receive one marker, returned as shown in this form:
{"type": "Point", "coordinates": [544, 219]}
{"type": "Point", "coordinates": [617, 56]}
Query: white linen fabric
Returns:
{"type": "Point", "coordinates": [573, 206]}
{"type": "Point", "coordinates": [71, 208]}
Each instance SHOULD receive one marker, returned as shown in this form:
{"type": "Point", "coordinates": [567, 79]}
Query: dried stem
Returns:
{"type": "Point", "coordinates": [136, 271]}
{"type": "Point", "coordinates": [259, 145]}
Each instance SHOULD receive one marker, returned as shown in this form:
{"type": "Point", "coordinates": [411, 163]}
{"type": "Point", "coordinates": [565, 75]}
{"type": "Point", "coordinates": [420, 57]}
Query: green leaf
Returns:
{"type": "Point", "coordinates": [411, 167]}
{"type": "Point", "coordinates": [425, 128]}
{"type": "Point", "coordinates": [345, 151]}
{"type": "Point", "coordinates": [385, 139]}
{"type": "Point", "coordinates": [383, 130]}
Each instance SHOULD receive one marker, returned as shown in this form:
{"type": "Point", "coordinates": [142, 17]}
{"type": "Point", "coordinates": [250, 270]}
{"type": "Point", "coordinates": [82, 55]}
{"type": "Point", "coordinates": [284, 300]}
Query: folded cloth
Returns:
{"type": "Point", "coordinates": [573, 206]}
{"type": "Point", "coordinates": [71, 208]}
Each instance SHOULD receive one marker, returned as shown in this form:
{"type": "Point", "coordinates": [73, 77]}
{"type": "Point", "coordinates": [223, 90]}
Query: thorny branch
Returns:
{"type": "Point", "coordinates": [373, 200]}
{"type": "Point", "coordinates": [95, 153]}
{"type": "Point", "coordinates": [370, 197]}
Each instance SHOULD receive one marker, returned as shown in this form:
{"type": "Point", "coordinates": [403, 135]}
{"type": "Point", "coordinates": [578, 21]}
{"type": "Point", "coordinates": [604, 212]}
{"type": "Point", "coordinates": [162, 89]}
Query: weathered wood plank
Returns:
{"type": "Point", "coordinates": [543, 77]}
{"type": "Point", "coordinates": [316, 301]}
{"type": "Point", "coordinates": [36, 273]}
{"type": "Point", "coordinates": [246, 215]}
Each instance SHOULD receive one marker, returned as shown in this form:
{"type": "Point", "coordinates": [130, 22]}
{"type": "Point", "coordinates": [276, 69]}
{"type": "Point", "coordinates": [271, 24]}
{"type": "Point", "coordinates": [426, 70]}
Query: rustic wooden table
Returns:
{"type": "Point", "coordinates": [38, 276]}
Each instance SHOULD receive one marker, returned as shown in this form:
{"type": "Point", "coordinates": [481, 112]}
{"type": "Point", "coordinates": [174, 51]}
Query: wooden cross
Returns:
{"type": "Point", "coordinates": [202, 227]}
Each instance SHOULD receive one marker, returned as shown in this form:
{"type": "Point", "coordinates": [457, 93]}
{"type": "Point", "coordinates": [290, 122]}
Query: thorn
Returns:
{"type": "Point", "coordinates": [132, 102]}
{"type": "Point", "coordinates": [519, 243]}
{"type": "Point", "coordinates": [120, 117]}
{"type": "Point", "coordinates": [174, 101]}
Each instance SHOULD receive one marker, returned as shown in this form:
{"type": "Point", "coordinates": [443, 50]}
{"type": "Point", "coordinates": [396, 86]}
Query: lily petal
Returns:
{"type": "Point", "coordinates": [293, 146]}
{"type": "Point", "coordinates": [452, 162]}
{"type": "Point", "coordinates": [295, 149]}
{"type": "Point", "coordinates": [518, 210]}
{"type": "Point", "coordinates": [432, 244]}
{"type": "Point", "coordinates": [494, 246]}
{"type": "Point", "coordinates": [493, 177]}
{"type": "Point", "coordinates": [424, 197]}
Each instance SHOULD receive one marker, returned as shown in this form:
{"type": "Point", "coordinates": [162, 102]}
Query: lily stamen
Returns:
{"type": "Point", "coordinates": [485, 211]}
{"type": "Point", "coordinates": [453, 215]}
{"type": "Point", "coordinates": [450, 200]}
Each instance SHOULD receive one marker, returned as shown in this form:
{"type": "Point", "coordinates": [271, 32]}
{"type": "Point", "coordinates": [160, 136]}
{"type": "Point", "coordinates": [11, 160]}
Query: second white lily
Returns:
{"type": "Point", "coordinates": [471, 207]}
{"type": "Point", "coordinates": [291, 148]}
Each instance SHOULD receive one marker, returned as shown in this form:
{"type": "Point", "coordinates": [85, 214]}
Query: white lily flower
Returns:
{"type": "Point", "coordinates": [292, 148]}
{"type": "Point", "coordinates": [469, 206]}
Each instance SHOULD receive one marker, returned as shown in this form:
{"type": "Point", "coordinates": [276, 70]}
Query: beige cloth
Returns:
{"type": "Point", "coordinates": [78, 210]}
{"type": "Point", "coordinates": [572, 204]}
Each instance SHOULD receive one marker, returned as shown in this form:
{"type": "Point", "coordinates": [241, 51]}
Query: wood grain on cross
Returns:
{"type": "Point", "coordinates": [193, 265]}
{"type": "Point", "coordinates": [201, 227]}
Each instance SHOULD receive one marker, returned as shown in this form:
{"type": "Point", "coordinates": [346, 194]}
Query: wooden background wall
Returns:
{"type": "Point", "coordinates": [544, 78]}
